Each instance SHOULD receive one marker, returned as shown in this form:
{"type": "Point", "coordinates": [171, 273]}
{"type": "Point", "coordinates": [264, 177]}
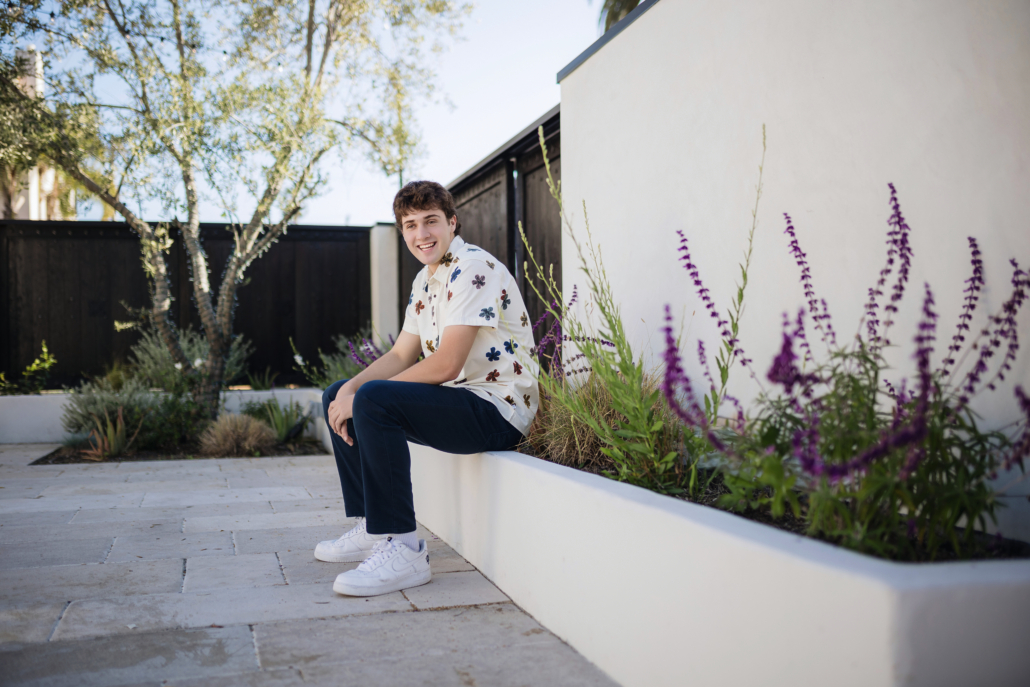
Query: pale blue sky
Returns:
{"type": "Point", "coordinates": [500, 78]}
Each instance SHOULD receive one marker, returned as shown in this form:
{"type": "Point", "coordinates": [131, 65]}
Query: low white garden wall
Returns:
{"type": "Point", "coordinates": [37, 419]}
{"type": "Point", "coordinates": [658, 591]}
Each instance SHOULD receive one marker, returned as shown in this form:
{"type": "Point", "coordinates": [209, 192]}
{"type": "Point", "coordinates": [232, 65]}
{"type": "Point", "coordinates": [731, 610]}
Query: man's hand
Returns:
{"type": "Point", "coordinates": [341, 410]}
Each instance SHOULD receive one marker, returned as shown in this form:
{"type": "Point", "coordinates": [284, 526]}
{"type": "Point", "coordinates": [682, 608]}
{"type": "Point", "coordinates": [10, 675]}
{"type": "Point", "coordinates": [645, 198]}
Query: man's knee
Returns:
{"type": "Point", "coordinates": [329, 395]}
{"type": "Point", "coordinates": [374, 394]}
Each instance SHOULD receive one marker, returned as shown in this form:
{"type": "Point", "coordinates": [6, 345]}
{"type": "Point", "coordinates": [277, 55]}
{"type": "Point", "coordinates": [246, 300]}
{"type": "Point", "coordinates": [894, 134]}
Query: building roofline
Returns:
{"type": "Point", "coordinates": [611, 33]}
{"type": "Point", "coordinates": [508, 146]}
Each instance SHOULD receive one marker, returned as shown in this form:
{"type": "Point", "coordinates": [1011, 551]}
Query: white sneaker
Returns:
{"type": "Point", "coordinates": [393, 566]}
{"type": "Point", "coordinates": [353, 547]}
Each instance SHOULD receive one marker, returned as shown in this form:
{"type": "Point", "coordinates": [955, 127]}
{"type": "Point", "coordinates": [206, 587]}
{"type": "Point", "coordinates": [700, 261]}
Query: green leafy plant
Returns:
{"type": "Point", "coordinates": [108, 438]}
{"type": "Point", "coordinates": [288, 421]}
{"type": "Point", "coordinates": [153, 363]}
{"type": "Point", "coordinates": [863, 462]}
{"type": "Point", "coordinates": [644, 447]}
{"type": "Point", "coordinates": [352, 355]}
{"type": "Point", "coordinates": [33, 378]}
{"type": "Point", "coordinates": [262, 381]}
{"type": "Point", "coordinates": [168, 420]}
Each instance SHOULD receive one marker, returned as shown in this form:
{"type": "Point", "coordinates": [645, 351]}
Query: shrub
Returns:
{"type": "Point", "coordinates": [166, 420]}
{"type": "Point", "coordinates": [33, 378]}
{"type": "Point", "coordinates": [153, 362]}
{"type": "Point", "coordinates": [352, 355]}
{"type": "Point", "coordinates": [558, 435]}
{"type": "Point", "coordinates": [866, 463]}
{"type": "Point", "coordinates": [288, 422]}
{"type": "Point", "coordinates": [108, 439]}
{"type": "Point", "coordinates": [236, 435]}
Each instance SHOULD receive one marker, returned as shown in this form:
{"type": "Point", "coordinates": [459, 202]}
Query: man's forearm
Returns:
{"type": "Point", "coordinates": [436, 369]}
{"type": "Point", "coordinates": [388, 365]}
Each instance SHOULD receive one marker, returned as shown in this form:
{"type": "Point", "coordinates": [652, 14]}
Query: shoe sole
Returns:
{"type": "Point", "coordinates": [415, 580]}
{"type": "Point", "coordinates": [343, 557]}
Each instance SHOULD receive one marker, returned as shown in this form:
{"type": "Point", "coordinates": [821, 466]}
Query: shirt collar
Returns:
{"type": "Point", "coordinates": [457, 246]}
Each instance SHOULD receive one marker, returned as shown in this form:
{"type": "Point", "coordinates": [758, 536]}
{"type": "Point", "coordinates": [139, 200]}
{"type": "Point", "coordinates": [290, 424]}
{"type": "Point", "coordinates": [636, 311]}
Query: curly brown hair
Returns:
{"type": "Point", "coordinates": [417, 196]}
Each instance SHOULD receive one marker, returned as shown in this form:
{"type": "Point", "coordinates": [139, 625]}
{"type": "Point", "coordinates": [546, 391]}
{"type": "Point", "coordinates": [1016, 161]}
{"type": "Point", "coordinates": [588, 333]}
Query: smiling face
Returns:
{"type": "Point", "coordinates": [428, 235]}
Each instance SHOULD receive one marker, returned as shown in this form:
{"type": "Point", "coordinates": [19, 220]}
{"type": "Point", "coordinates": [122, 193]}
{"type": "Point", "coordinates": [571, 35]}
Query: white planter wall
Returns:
{"type": "Point", "coordinates": [658, 591]}
{"type": "Point", "coordinates": [37, 419]}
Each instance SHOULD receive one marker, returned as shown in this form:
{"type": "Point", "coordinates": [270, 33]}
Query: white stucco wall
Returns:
{"type": "Point", "coordinates": [383, 254]}
{"type": "Point", "coordinates": [661, 130]}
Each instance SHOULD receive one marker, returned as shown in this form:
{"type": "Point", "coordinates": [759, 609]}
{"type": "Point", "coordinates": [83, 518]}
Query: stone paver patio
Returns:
{"type": "Point", "coordinates": [201, 572]}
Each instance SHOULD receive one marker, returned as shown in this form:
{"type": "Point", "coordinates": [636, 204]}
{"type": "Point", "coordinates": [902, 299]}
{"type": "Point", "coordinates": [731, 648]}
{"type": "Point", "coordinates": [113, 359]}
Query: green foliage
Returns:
{"type": "Point", "coordinates": [288, 422]}
{"type": "Point", "coordinates": [877, 508]}
{"type": "Point", "coordinates": [33, 378]}
{"type": "Point", "coordinates": [262, 381]}
{"type": "Point", "coordinates": [644, 446]}
{"type": "Point", "coordinates": [165, 420]}
{"type": "Point", "coordinates": [614, 11]}
{"type": "Point", "coordinates": [108, 439]}
{"type": "Point", "coordinates": [335, 365]}
{"type": "Point", "coordinates": [153, 363]}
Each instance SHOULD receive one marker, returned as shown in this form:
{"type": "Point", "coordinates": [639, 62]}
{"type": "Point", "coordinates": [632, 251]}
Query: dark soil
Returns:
{"type": "Point", "coordinates": [71, 454]}
{"type": "Point", "coordinates": [989, 547]}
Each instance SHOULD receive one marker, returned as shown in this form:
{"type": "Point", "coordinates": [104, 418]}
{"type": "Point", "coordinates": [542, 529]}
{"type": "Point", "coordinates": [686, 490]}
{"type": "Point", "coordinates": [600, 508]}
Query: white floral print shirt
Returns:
{"type": "Point", "coordinates": [471, 287]}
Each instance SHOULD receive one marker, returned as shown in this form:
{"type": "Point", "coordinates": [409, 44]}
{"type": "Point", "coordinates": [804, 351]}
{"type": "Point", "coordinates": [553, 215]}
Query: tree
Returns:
{"type": "Point", "coordinates": [234, 101]}
{"type": "Point", "coordinates": [614, 11]}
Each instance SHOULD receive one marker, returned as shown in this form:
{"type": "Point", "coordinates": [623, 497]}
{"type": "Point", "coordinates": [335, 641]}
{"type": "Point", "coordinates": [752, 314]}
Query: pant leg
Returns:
{"type": "Point", "coordinates": [348, 459]}
{"type": "Point", "coordinates": [389, 414]}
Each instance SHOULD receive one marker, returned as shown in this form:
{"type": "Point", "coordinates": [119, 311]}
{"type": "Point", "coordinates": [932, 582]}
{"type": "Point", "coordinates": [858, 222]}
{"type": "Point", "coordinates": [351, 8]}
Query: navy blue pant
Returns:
{"type": "Point", "coordinates": [375, 472]}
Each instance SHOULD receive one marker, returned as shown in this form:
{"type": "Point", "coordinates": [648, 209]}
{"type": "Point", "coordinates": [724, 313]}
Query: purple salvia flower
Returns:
{"type": "Point", "coordinates": [899, 236]}
{"type": "Point", "coordinates": [818, 316]}
{"type": "Point", "coordinates": [973, 287]}
{"type": "Point", "coordinates": [392, 340]}
{"type": "Point", "coordinates": [784, 369]}
{"type": "Point", "coordinates": [702, 292]}
{"type": "Point", "coordinates": [1005, 330]}
{"type": "Point", "coordinates": [675, 378]}
{"type": "Point", "coordinates": [373, 351]}
{"type": "Point", "coordinates": [355, 357]}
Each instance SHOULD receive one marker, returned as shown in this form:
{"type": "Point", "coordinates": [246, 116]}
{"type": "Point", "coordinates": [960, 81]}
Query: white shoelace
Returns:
{"type": "Point", "coordinates": [354, 531]}
{"type": "Point", "coordinates": [380, 552]}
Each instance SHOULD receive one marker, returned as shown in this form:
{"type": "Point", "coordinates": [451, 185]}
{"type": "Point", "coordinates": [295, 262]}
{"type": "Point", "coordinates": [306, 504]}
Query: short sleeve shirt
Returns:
{"type": "Point", "coordinates": [471, 287]}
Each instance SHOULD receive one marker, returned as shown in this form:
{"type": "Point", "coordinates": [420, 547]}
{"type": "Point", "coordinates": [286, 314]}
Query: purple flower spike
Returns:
{"type": "Point", "coordinates": [973, 287]}
{"type": "Point", "coordinates": [355, 357]}
{"type": "Point", "coordinates": [819, 316]}
{"type": "Point", "coordinates": [675, 378]}
{"type": "Point", "coordinates": [702, 292]}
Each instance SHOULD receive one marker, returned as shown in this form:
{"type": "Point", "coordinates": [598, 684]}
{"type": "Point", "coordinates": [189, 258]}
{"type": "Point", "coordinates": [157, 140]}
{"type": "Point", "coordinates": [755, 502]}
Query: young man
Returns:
{"type": "Point", "coordinates": [475, 391]}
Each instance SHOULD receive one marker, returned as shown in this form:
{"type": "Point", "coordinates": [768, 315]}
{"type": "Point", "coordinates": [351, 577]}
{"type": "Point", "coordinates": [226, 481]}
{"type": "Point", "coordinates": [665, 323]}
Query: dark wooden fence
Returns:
{"type": "Point", "coordinates": [65, 282]}
{"type": "Point", "coordinates": [509, 186]}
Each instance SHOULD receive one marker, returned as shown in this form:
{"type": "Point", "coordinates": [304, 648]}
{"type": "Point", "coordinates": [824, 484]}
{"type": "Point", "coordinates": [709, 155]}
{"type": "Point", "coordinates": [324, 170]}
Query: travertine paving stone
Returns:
{"type": "Point", "coordinates": [60, 552]}
{"type": "Point", "coordinates": [174, 545]}
{"type": "Point", "coordinates": [18, 455]}
{"type": "Point", "coordinates": [101, 488]}
{"type": "Point", "coordinates": [211, 573]}
{"type": "Point", "coordinates": [187, 498]}
{"type": "Point", "coordinates": [54, 517]}
{"type": "Point", "coordinates": [42, 504]}
{"type": "Point", "coordinates": [268, 521]}
{"type": "Point", "coordinates": [521, 666]}
{"type": "Point", "coordinates": [27, 622]}
{"type": "Point", "coordinates": [45, 533]}
{"type": "Point", "coordinates": [91, 581]}
{"type": "Point", "coordinates": [455, 589]}
{"type": "Point", "coordinates": [104, 617]}
{"type": "Point", "coordinates": [137, 659]}
{"type": "Point", "coordinates": [169, 513]}
{"type": "Point", "coordinates": [191, 572]}
{"type": "Point", "coordinates": [373, 638]}
{"type": "Point", "coordinates": [284, 539]}
{"type": "Point", "coordinates": [307, 505]}
{"type": "Point", "coordinates": [286, 677]}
